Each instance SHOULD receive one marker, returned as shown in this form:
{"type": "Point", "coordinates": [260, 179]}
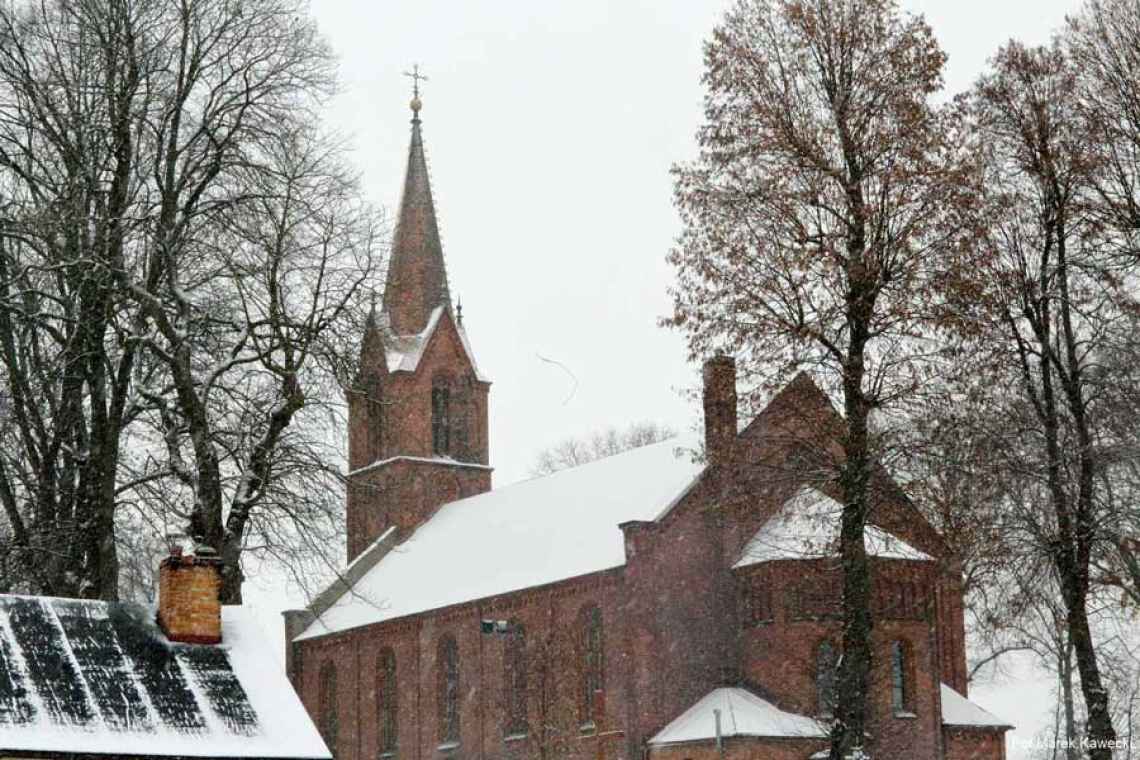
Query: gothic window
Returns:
{"type": "Point", "coordinates": [447, 667]}
{"type": "Point", "coordinates": [813, 602]}
{"type": "Point", "coordinates": [514, 680]}
{"type": "Point", "coordinates": [328, 704]}
{"type": "Point", "coordinates": [460, 423]}
{"type": "Point", "coordinates": [386, 700]}
{"type": "Point", "coordinates": [901, 678]}
{"type": "Point", "coordinates": [593, 664]}
{"type": "Point", "coordinates": [440, 417]}
{"type": "Point", "coordinates": [826, 673]}
{"type": "Point", "coordinates": [760, 603]}
{"type": "Point", "coordinates": [375, 419]}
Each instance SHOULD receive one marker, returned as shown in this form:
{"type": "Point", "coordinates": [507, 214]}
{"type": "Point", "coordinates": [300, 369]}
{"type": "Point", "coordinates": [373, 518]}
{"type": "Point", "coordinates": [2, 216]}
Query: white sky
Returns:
{"type": "Point", "coordinates": [550, 128]}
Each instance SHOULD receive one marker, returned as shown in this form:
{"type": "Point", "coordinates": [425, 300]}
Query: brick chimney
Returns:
{"type": "Point", "coordinates": [189, 610]}
{"type": "Point", "coordinates": [720, 407]}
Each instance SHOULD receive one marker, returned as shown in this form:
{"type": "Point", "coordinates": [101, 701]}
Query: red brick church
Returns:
{"type": "Point", "coordinates": [648, 605]}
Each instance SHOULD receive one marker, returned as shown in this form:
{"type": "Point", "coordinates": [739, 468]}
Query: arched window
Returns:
{"type": "Point", "coordinates": [901, 685]}
{"type": "Point", "coordinates": [375, 417]}
{"type": "Point", "coordinates": [514, 680]}
{"type": "Point", "coordinates": [826, 672]}
{"type": "Point", "coordinates": [386, 700]}
{"type": "Point", "coordinates": [593, 664]}
{"type": "Point", "coordinates": [441, 417]}
{"type": "Point", "coordinates": [447, 668]}
{"type": "Point", "coordinates": [329, 720]}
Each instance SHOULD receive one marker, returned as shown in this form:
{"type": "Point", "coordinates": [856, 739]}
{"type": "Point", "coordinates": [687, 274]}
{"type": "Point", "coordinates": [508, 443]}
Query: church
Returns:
{"type": "Point", "coordinates": [654, 605]}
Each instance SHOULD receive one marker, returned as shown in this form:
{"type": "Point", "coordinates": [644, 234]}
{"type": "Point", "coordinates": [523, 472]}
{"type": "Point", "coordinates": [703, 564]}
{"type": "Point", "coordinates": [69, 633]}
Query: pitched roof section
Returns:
{"type": "Point", "coordinates": [742, 713]}
{"type": "Point", "coordinates": [403, 352]}
{"type": "Point", "coordinates": [807, 527]}
{"type": "Point", "coordinates": [97, 677]}
{"type": "Point", "coordinates": [960, 712]}
{"type": "Point", "coordinates": [417, 278]}
{"type": "Point", "coordinates": [527, 534]}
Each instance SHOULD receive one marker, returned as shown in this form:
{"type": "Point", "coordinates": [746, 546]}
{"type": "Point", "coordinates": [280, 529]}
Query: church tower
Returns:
{"type": "Point", "coordinates": [417, 428]}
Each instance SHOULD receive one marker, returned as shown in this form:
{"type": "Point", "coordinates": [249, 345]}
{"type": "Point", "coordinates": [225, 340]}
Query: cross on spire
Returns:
{"type": "Point", "coordinates": [416, 77]}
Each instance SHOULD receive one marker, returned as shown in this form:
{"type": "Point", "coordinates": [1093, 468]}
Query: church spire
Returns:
{"type": "Point", "coordinates": [417, 277]}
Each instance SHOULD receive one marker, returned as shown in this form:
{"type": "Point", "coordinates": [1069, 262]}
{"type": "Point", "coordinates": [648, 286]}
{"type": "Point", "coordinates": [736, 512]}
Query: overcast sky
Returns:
{"type": "Point", "coordinates": [550, 128]}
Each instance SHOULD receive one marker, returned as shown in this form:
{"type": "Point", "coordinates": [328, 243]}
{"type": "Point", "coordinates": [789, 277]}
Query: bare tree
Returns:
{"type": "Point", "coordinates": [169, 158]}
{"type": "Point", "coordinates": [1103, 41]}
{"type": "Point", "coordinates": [1048, 302]}
{"type": "Point", "coordinates": [814, 234]}
{"type": "Point", "coordinates": [571, 452]}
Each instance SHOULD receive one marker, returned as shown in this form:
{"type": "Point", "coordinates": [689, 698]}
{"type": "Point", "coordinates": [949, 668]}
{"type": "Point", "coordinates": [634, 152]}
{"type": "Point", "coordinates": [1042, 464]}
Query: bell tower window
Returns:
{"type": "Point", "coordinates": [440, 418]}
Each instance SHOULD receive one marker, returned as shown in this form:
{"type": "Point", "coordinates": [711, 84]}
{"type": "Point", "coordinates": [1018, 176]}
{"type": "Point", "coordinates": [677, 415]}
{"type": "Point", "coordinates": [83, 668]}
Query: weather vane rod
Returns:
{"type": "Point", "coordinates": [416, 77]}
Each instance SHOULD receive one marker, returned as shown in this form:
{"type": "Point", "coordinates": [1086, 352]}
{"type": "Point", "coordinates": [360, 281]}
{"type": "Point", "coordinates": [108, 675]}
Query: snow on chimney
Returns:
{"type": "Point", "coordinates": [720, 407]}
{"type": "Point", "coordinates": [189, 610]}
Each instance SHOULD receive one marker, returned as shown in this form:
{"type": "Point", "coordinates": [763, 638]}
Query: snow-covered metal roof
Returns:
{"type": "Point", "coordinates": [527, 534]}
{"type": "Point", "coordinates": [81, 676]}
{"type": "Point", "coordinates": [807, 527]}
{"type": "Point", "coordinates": [959, 711]}
{"type": "Point", "coordinates": [742, 713]}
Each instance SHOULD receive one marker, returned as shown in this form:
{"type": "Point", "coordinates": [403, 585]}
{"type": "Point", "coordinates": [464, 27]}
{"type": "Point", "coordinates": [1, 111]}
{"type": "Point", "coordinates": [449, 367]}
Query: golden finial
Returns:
{"type": "Point", "coordinates": [416, 76]}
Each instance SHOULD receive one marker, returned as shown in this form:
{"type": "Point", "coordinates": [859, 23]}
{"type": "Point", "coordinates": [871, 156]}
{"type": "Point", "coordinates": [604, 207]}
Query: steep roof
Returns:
{"type": "Point", "coordinates": [742, 713]}
{"type": "Point", "coordinates": [96, 677]}
{"type": "Point", "coordinates": [417, 277]}
{"type": "Point", "coordinates": [807, 527]}
{"type": "Point", "coordinates": [527, 534]}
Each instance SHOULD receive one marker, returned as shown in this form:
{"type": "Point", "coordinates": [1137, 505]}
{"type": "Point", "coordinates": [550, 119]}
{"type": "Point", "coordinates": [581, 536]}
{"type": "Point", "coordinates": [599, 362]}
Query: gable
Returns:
{"type": "Point", "coordinates": [405, 353]}
{"type": "Point", "coordinates": [795, 442]}
{"type": "Point", "coordinates": [89, 676]}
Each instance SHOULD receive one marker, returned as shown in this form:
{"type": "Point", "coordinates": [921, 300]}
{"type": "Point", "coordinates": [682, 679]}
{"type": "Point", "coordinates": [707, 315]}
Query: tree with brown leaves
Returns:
{"type": "Point", "coordinates": [816, 232]}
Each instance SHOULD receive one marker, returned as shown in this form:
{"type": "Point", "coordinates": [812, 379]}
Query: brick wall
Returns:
{"type": "Point", "coordinates": [741, 749]}
{"type": "Point", "coordinates": [967, 744]}
{"type": "Point", "coordinates": [405, 493]}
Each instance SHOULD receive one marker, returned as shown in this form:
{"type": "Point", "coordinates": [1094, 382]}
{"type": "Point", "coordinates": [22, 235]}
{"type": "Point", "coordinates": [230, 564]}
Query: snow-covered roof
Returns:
{"type": "Point", "coordinates": [742, 713]}
{"type": "Point", "coordinates": [404, 352]}
{"type": "Point", "coordinates": [527, 534]}
{"type": "Point", "coordinates": [82, 676]}
{"type": "Point", "coordinates": [959, 711]}
{"type": "Point", "coordinates": [807, 527]}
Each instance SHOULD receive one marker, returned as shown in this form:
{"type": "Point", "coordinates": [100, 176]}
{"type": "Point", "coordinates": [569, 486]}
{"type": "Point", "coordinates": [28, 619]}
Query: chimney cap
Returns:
{"type": "Point", "coordinates": [721, 357]}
